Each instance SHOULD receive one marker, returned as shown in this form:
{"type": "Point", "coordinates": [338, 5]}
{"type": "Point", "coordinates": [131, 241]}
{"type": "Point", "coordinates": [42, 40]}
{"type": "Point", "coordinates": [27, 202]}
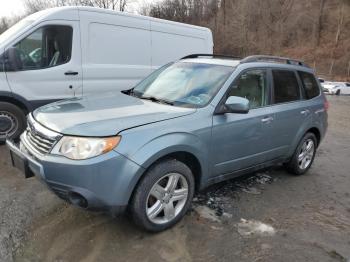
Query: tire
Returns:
{"type": "Point", "coordinates": [338, 92]}
{"type": "Point", "coordinates": [12, 121]}
{"type": "Point", "coordinates": [295, 165]}
{"type": "Point", "coordinates": [145, 203]}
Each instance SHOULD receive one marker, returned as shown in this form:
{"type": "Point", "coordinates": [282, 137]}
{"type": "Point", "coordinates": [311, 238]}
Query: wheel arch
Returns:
{"type": "Point", "coordinates": [313, 129]}
{"type": "Point", "coordinates": [16, 100]}
{"type": "Point", "coordinates": [316, 132]}
{"type": "Point", "coordinates": [189, 159]}
{"type": "Point", "coordinates": [185, 157]}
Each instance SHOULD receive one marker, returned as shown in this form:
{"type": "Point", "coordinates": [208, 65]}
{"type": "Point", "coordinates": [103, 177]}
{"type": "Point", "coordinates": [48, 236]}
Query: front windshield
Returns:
{"type": "Point", "coordinates": [184, 83]}
{"type": "Point", "coordinates": [14, 29]}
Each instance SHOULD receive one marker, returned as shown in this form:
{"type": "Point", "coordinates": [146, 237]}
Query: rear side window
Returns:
{"type": "Point", "coordinates": [310, 85]}
{"type": "Point", "coordinates": [286, 87]}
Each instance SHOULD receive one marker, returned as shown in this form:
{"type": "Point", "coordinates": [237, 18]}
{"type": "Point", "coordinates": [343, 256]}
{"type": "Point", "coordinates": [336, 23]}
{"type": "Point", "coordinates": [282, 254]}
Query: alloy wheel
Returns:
{"type": "Point", "coordinates": [167, 198]}
{"type": "Point", "coordinates": [306, 154]}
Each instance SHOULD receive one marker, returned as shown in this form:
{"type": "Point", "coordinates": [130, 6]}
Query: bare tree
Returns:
{"type": "Point", "coordinates": [337, 36]}
{"type": "Point", "coordinates": [319, 23]}
{"type": "Point", "coordinates": [3, 24]}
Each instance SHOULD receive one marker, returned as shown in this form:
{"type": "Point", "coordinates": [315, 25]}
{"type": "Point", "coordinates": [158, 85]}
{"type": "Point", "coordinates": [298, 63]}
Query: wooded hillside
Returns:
{"type": "Point", "coordinates": [316, 31]}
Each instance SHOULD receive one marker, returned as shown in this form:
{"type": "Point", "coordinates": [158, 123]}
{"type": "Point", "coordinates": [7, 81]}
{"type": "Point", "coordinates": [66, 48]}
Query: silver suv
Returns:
{"type": "Point", "coordinates": [192, 123]}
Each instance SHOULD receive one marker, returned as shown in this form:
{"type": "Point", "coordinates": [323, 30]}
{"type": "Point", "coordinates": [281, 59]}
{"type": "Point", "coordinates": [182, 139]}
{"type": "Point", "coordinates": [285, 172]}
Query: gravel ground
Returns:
{"type": "Point", "coordinates": [272, 216]}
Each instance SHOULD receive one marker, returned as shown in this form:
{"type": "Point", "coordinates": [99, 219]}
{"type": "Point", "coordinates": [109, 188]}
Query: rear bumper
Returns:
{"type": "Point", "coordinates": [104, 183]}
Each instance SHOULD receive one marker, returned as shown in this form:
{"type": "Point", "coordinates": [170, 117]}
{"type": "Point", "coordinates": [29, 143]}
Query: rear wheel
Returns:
{"type": "Point", "coordinates": [12, 121]}
{"type": "Point", "coordinates": [163, 195]}
{"type": "Point", "coordinates": [304, 155]}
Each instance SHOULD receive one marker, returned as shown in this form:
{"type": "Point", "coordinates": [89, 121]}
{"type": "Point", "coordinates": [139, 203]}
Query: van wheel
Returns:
{"type": "Point", "coordinates": [338, 92]}
{"type": "Point", "coordinates": [12, 121]}
{"type": "Point", "coordinates": [163, 195]}
{"type": "Point", "coordinates": [303, 156]}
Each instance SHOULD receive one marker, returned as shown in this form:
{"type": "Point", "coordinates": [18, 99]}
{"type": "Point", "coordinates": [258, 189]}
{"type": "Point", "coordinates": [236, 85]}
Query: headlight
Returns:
{"type": "Point", "coordinates": [79, 148]}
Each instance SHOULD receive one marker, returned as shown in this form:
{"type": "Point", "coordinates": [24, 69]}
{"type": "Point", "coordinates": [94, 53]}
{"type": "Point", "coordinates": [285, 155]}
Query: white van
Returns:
{"type": "Point", "coordinates": [64, 52]}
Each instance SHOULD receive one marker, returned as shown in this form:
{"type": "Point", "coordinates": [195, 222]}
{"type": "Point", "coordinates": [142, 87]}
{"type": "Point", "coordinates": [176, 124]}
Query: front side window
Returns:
{"type": "Point", "coordinates": [310, 85]}
{"type": "Point", "coordinates": [2, 62]}
{"type": "Point", "coordinates": [184, 83]}
{"type": "Point", "coordinates": [252, 85]}
{"type": "Point", "coordinates": [285, 86]}
{"type": "Point", "coordinates": [48, 46]}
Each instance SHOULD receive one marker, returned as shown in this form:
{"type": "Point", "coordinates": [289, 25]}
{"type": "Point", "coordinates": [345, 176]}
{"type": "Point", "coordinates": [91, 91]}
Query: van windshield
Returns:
{"type": "Point", "coordinates": [184, 84]}
{"type": "Point", "coordinates": [14, 29]}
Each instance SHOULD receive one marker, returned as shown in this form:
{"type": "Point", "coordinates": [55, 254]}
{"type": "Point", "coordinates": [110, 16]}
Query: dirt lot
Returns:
{"type": "Point", "coordinates": [303, 218]}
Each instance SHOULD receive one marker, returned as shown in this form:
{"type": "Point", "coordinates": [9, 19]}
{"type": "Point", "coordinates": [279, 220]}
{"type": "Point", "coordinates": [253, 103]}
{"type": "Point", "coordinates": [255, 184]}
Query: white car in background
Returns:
{"type": "Point", "coordinates": [336, 88]}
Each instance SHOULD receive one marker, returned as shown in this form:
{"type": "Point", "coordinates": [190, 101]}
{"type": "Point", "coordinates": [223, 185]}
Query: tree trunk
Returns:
{"type": "Point", "coordinates": [319, 23]}
{"type": "Point", "coordinates": [337, 36]}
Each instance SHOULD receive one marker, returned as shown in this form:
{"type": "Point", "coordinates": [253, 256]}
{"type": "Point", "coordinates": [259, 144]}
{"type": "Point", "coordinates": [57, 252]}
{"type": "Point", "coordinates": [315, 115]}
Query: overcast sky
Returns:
{"type": "Point", "coordinates": [15, 7]}
{"type": "Point", "coordinates": [11, 7]}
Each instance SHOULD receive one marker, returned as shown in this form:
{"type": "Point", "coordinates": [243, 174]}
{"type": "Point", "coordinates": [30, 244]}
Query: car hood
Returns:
{"type": "Point", "coordinates": [104, 115]}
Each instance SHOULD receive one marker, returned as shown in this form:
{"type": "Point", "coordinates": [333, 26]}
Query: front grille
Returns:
{"type": "Point", "coordinates": [40, 138]}
{"type": "Point", "coordinates": [39, 142]}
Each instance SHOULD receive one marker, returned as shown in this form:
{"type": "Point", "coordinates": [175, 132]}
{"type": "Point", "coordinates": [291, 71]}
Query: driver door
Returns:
{"type": "Point", "coordinates": [48, 63]}
{"type": "Point", "coordinates": [240, 141]}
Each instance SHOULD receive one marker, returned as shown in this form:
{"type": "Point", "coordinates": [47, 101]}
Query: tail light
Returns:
{"type": "Point", "coordinates": [326, 104]}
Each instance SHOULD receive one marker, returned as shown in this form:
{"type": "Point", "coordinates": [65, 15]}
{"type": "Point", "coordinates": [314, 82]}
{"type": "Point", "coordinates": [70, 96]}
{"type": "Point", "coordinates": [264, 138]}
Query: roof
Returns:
{"type": "Point", "coordinates": [53, 10]}
{"type": "Point", "coordinates": [213, 61]}
{"type": "Point", "coordinates": [249, 62]}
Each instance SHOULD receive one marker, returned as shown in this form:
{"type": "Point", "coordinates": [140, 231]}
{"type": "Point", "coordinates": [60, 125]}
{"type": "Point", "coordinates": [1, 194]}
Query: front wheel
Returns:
{"type": "Point", "coordinates": [303, 156]}
{"type": "Point", "coordinates": [338, 92]}
{"type": "Point", "coordinates": [163, 195]}
{"type": "Point", "coordinates": [12, 121]}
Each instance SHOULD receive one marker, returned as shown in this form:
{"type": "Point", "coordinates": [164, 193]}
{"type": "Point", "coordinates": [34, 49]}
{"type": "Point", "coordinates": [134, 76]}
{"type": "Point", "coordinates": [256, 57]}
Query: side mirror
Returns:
{"type": "Point", "coordinates": [13, 60]}
{"type": "Point", "coordinates": [235, 104]}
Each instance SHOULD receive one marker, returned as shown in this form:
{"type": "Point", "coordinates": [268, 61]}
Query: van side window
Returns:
{"type": "Point", "coordinates": [285, 85]}
{"type": "Point", "coordinates": [252, 85]}
{"type": "Point", "coordinates": [48, 46]}
{"type": "Point", "coordinates": [310, 85]}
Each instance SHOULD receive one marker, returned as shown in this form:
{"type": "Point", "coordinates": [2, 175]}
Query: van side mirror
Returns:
{"type": "Point", "coordinates": [13, 60]}
{"type": "Point", "coordinates": [235, 104]}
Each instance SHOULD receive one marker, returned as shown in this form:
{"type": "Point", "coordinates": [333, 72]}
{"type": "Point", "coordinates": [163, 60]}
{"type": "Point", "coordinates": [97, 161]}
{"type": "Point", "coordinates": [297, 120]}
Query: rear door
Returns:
{"type": "Point", "coordinates": [49, 64]}
{"type": "Point", "coordinates": [291, 112]}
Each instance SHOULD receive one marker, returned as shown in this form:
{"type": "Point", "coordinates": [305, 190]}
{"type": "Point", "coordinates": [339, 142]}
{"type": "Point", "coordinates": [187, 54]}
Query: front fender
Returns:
{"type": "Point", "coordinates": [166, 144]}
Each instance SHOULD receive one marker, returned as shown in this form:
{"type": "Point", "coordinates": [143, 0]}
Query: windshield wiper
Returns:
{"type": "Point", "coordinates": [157, 100]}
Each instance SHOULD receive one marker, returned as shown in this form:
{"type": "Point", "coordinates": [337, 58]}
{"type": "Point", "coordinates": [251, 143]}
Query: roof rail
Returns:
{"type": "Point", "coordinates": [275, 59]}
{"type": "Point", "coordinates": [210, 55]}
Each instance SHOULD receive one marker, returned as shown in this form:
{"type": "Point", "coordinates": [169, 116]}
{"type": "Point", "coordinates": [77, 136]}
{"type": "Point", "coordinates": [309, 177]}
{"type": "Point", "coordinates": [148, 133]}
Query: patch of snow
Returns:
{"type": "Point", "coordinates": [251, 190]}
{"type": "Point", "coordinates": [207, 213]}
{"type": "Point", "coordinates": [254, 227]}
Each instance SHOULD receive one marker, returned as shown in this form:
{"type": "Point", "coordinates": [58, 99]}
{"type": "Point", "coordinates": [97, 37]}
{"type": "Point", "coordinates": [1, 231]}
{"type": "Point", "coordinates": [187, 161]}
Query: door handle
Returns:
{"type": "Point", "coordinates": [71, 73]}
{"type": "Point", "coordinates": [305, 112]}
{"type": "Point", "coordinates": [267, 119]}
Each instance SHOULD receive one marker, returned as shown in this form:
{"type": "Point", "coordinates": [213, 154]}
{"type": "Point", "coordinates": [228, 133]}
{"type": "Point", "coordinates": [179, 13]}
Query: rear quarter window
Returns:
{"type": "Point", "coordinates": [309, 84]}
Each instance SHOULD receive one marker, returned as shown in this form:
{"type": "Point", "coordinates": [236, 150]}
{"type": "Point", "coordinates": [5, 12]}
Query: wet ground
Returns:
{"type": "Point", "coordinates": [273, 216]}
